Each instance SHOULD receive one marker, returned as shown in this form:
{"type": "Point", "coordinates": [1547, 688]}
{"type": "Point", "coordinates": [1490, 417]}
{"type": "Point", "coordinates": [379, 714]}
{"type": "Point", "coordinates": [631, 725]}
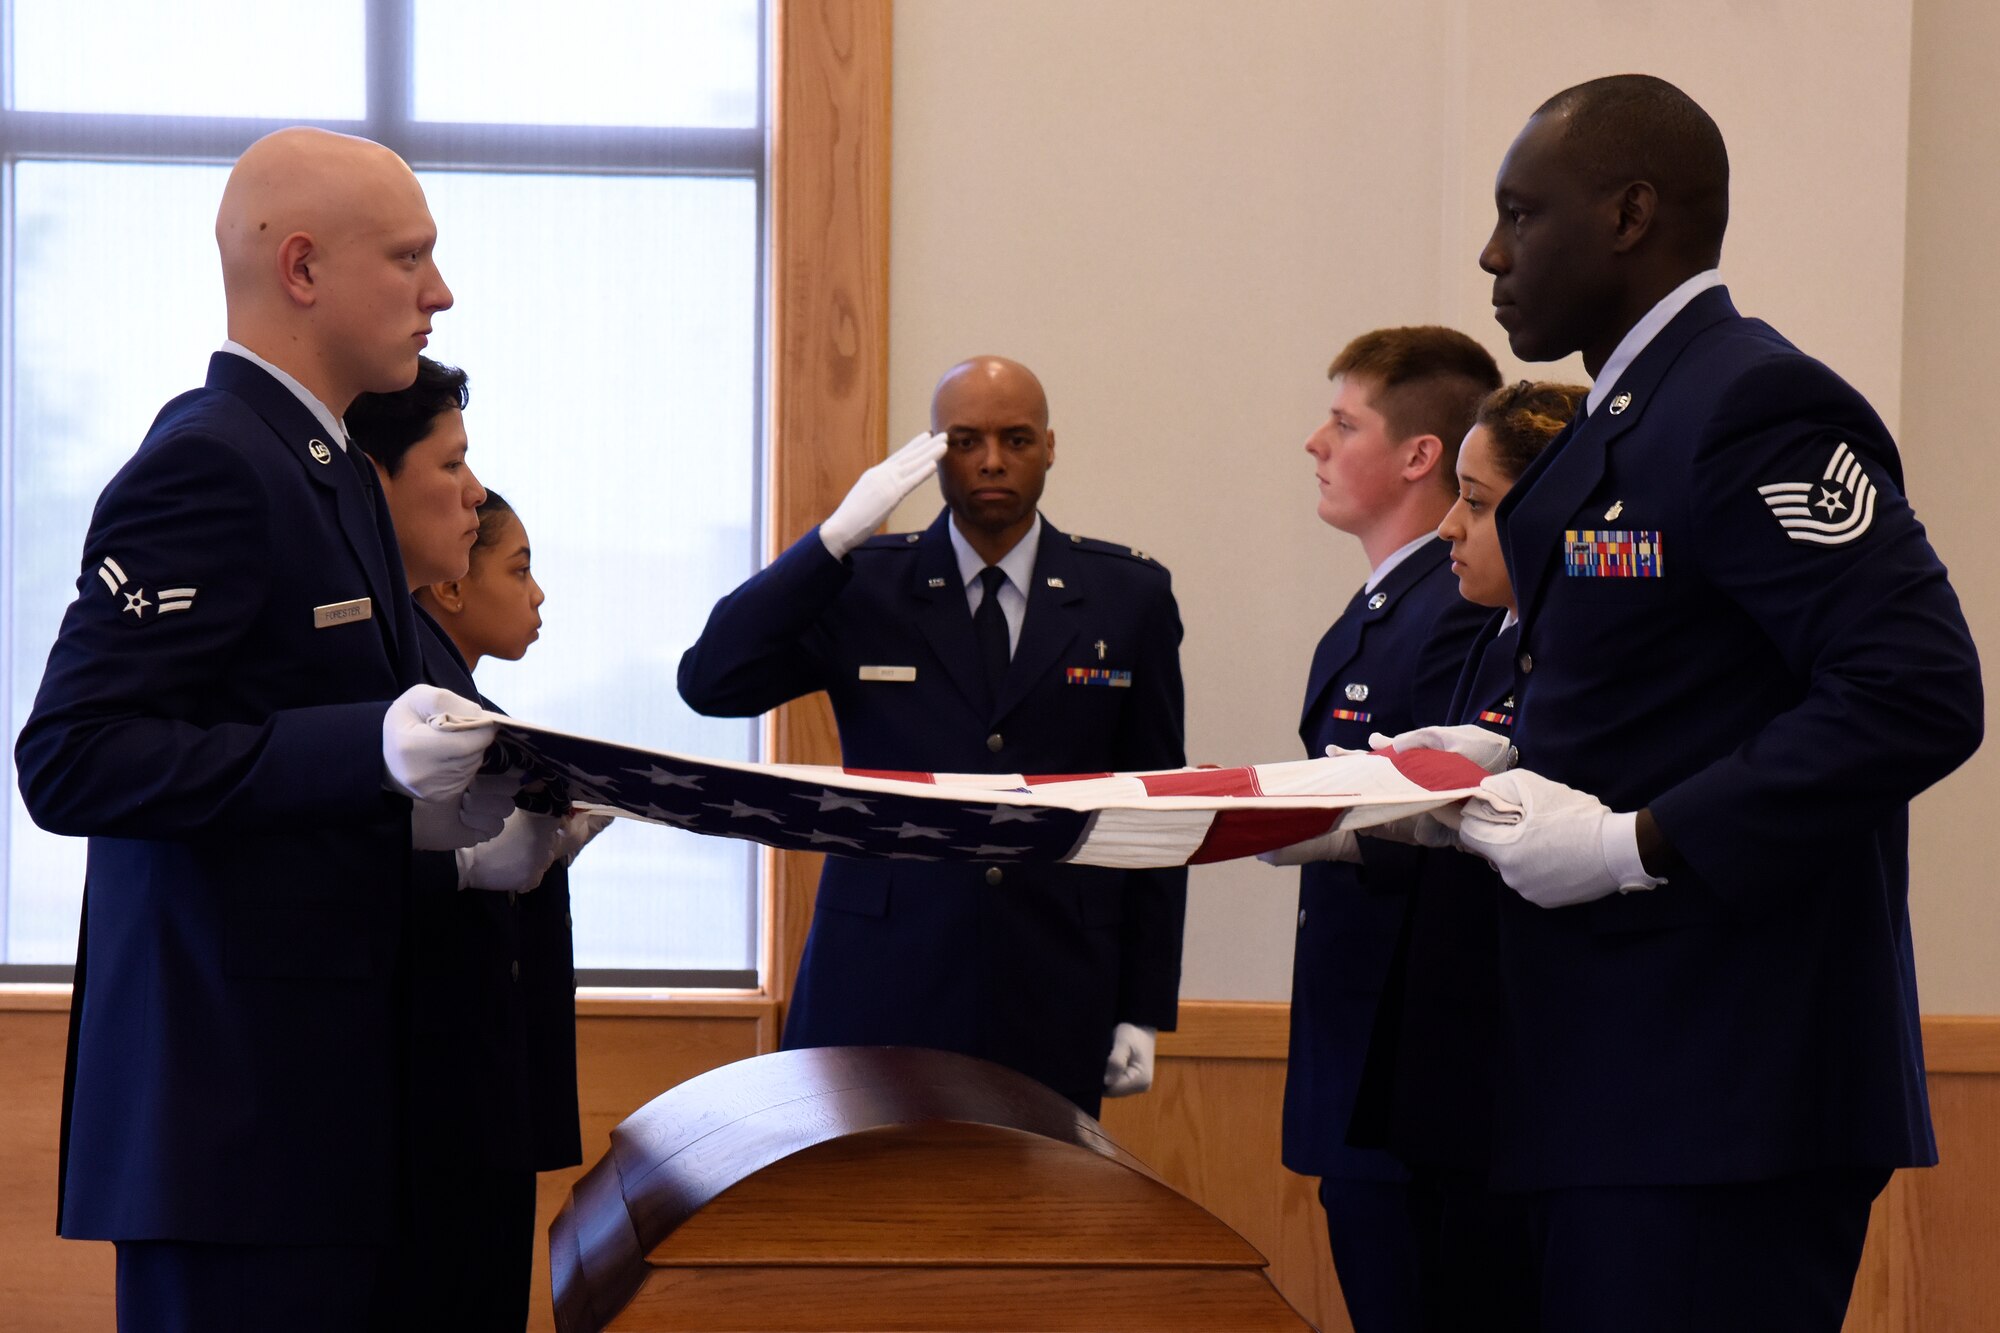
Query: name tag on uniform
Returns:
{"type": "Point", "coordinates": [342, 613]}
{"type": "Point", "coordinates": [888, 673]}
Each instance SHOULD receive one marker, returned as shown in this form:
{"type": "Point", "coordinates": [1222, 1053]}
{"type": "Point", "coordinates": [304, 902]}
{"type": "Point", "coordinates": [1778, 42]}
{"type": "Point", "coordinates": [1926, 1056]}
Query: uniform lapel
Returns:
{"type": "Point", "coordinates": [937, 594]}
{"type": "Point", "coordinates": [363, 517]}
{"type": "Point", "coordinates": [1342, 644]}
{"type": "Point", "coordinates": [1049, 627]}
{"type": "Point", "coordinates": [1535, 514]}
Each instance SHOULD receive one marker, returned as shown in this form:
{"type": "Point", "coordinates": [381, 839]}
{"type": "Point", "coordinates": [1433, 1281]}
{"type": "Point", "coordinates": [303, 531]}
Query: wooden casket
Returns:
{"type": "Point", "coordinates": [889, 1188]}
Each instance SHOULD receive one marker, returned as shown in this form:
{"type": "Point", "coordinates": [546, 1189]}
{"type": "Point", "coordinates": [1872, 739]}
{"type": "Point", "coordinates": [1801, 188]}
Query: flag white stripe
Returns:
{"type": "Point", "coordinates": [1128, 839]}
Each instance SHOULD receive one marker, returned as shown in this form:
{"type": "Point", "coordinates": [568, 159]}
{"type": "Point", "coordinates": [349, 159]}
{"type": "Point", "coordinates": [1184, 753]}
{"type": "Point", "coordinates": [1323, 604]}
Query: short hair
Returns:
{"type": "Point", "coordinates": [1522, 418]}
{"type": "Point", "coordinates": [1429, 380]}
{"type": "Point", "coordinates": [492, 518]}
{"type": "Point", "coordinates": [1628, 127]}
{"type": "Point", "coordinates": [387, 425]}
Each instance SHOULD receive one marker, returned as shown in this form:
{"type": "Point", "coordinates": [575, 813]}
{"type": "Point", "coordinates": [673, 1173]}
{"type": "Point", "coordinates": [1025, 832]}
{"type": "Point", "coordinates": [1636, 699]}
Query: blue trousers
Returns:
{"type": "Point", "coordinates": [167, 1286]}
{"type": "Point", "coordinates": [1372, 1227]}
{"type": "Point", "coordinates": [1777, 1256]}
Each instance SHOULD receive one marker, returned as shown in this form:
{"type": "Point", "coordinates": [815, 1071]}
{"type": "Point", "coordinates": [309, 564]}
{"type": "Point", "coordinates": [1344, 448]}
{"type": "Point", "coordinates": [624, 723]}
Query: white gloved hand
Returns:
{"type": "Point", "coordinates": [579, 826]}
{"type": "Point", "coordinates": [517, 859]}
{"type": "Point", "coordinates": [1489, 749]}
{"type": "Point", "coordinates": [1333, 845]}
{"type": "Point", "coordinates": [1129, 1068]}
{"type": "Point", "coordinates": [1547, 841]}
{"type": "Point", "coordinates": [471, 817]}
{"type": "Point", "coordinates": [878, 491]}
{"type": "Point", "coordinates": [430, 748]}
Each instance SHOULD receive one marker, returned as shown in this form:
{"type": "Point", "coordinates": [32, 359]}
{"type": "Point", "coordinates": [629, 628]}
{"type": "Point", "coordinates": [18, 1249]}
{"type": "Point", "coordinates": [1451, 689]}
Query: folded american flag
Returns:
{"type": "Point", "coordinates": [1129, 821]}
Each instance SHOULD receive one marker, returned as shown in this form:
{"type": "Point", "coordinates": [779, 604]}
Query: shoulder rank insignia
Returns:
{"type": "Point", "coordinates": [164, 601]}
{"type": "Point", "coordinates": [1832, 511]}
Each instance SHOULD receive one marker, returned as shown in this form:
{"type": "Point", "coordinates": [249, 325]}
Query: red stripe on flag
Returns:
{"type": "Point", "coordinates": [1037, 779]}
{"type": "Point", "coordinates": [898, 774]}
{"type": "Point", "coordinates": [1206, 782]}
{"type": "Point", "coordinates": [1435, 770]}
{"type": "Point", "coordinates": [1237, 833]}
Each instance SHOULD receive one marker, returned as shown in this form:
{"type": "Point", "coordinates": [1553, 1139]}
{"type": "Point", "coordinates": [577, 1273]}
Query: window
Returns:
{"type": "Point", "coordinates": [597, 174]}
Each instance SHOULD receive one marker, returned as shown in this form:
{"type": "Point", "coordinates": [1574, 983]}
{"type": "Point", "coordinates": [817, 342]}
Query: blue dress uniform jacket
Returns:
{"type": "Point", "coordinates": [238, 1022]}
{"type": "Point", "coordinates": [1783, 678]}
{"type": "Point", "coordinates": [1028, 966]}
{"type": "Point", "coordinates": [494, 993]}
{"type": "Point", "coordinates": [1387, 664]}
{"type": "Point", "coordinates": [1444, 1033]}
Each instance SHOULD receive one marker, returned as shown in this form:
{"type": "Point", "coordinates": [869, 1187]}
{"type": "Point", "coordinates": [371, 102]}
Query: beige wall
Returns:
{"type": "Point", "coordinates": [1951, 353]}
{"type": "Point", "coordinates": [1177, 211]}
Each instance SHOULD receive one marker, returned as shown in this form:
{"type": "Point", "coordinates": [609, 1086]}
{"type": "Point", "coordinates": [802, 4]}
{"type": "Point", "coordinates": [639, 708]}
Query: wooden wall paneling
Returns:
{"type": "Point", "coordinates": [829, 343]}
{"type": "Point", "coordinates": [46, 1283]}
{"type": "Point", "coordinates": [1210, 1127]}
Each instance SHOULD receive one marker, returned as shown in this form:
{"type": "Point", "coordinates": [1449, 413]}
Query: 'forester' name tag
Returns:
{"type": "Point", "coordinates": [342, 613]}
{"type": "Point", "coordinates": [887, 673]}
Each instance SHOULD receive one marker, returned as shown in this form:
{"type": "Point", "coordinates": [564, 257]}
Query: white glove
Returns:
{"type": "Point", "coordinates": [1488, 749]}
{"type": "Point", "coordinates": [1549, 842]}
{"type": "Point", "coordinates": [464, 820]}
{"type": "Point", "coordinates": [517, 859]}
{"type": "Point", "coordinates": [579, 826]}
{"type": "Point", "coordinates": [878, 491]}
{"type": "Point", "coordinates": [427, 753]}
{"type": "Point", "coordinates": [1333, 845]}
{"type": "Point", "coordinates": [1129, 1068]}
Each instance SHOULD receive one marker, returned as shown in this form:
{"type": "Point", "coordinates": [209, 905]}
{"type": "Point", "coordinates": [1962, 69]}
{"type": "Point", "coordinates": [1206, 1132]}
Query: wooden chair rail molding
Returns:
{"type": "Point", "coordinates": [1209, 1029]}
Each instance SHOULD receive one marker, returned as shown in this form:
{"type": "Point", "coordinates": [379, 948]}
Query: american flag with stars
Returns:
{"type": "Point", "coordinates": [1130, 821]}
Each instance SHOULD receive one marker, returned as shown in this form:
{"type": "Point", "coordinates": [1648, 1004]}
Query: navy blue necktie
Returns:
{"type": "Point", "coordinates": [989, 630]}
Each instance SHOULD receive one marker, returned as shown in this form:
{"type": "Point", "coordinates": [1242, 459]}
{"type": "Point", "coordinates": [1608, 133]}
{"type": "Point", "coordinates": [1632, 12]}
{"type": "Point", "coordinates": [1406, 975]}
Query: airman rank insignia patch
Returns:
{"type": "Point", "coordinates": [1832, 511]}
{"type": "Point", "coordinates": [135, 602]}
{"type": "Point", "coordinates": [1350, 715]}
{"type": "Point", "coordinates": [1601, 553]}
{"type": "Point", "coordinates": [1117, 680]}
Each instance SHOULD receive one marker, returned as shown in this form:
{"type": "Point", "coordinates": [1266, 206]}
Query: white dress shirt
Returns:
{"type": "Point", "coordinates": [333, 424]}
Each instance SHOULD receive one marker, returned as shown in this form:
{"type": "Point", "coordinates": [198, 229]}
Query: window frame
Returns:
{"type": "Point", "coordinates": [746, 152]}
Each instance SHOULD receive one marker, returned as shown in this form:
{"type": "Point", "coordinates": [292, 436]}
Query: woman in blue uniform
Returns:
{"type": "Point", "coordinates": [493, 1049]}
{"type": "Point", "coordinates": [1440, 1034]}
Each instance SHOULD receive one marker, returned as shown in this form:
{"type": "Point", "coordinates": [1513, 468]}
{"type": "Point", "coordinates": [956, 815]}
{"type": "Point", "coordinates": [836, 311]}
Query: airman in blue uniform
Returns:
{"type": "Point", "coordinates": [989, 642]}
{"type": "Point", "coordinates": [232, 714]}
{"type": "Point", "coordinates": [1403, 399]}
{"type": "Point", "coordinates": [1739, 660]}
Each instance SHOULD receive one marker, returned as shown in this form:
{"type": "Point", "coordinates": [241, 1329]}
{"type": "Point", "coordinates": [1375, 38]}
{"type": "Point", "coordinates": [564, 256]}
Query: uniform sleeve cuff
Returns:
{"type": "Point", "coordinates": [1621, 853]}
